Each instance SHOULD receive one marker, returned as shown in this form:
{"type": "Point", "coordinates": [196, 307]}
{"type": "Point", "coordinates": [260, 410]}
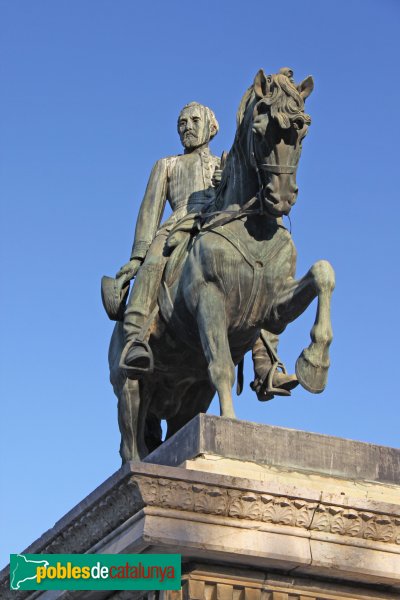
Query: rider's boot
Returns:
{"type": "Point", "coordinates": [270, 377]}
{"type": "Point", "coordinates": [136, 357]}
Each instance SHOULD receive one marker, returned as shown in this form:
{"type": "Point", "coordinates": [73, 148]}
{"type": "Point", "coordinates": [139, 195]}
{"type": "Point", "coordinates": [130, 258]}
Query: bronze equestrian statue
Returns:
{"type": "Point", "coordinates": [227, 280]}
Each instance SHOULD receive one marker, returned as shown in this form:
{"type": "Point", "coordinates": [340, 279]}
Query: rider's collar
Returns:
{"type": "Point", "coordinates": [204, 149]}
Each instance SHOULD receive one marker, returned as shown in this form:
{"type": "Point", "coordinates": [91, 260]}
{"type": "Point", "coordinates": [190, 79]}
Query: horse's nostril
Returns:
{"type": "Point", "coordinates": [274, 198]}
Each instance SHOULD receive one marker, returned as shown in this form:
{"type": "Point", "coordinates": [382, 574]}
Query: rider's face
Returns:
{"type": "Point", "coordinates": [193, 128]}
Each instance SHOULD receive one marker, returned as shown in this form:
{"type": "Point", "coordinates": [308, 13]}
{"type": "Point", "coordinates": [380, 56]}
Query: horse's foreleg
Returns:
{"type": "Point", "coordinates": [211, 319]}
{"type": "Point", "coordinates": [313, 363]}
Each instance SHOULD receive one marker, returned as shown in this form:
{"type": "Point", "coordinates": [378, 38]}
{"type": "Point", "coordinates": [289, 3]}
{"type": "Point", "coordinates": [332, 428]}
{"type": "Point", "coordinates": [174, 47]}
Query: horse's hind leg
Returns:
{"type": "Point", "coordinates": [211, 319]}
{"type": "Point", "coordinates": [313, 363]}
{"type": "Point", "coordinates": [128, 410]}
{"type": "Point", "coordinates": [127, 392]}
{"type": "Point", "coordinates": [196, 399]}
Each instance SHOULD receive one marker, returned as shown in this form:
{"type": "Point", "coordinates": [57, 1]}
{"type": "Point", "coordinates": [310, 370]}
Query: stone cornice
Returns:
{"type": "Point", "coordinates": [180, 489]}
{"type": "Point", "coordinates": [137, 486]}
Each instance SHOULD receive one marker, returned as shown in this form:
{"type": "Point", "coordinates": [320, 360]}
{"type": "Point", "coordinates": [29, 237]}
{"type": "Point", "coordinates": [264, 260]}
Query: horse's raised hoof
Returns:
{"type": "Point", "coordinates": [311, 377]}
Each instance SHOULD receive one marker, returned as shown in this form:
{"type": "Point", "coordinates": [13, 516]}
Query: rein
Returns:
{"type": "Point", "coordinates": [231, 215]}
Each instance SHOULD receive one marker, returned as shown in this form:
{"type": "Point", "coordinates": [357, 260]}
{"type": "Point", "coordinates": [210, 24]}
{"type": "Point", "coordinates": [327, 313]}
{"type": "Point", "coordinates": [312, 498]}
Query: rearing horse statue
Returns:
{"type": "Point", "coordinates": [234, 278]}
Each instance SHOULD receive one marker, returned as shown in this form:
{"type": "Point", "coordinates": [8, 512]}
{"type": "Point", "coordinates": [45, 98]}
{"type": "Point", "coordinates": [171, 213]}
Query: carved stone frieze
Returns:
{"type": "Point", "coordinates": [279, 510]}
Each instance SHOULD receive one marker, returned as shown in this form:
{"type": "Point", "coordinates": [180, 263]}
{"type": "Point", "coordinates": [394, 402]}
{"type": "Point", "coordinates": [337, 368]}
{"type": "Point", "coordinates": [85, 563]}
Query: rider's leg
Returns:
{"type": "Point", "coordinates": [142, 300]}
{"type": "Point", "coordinates": [261, 359]}
{"type": "Point", "coordinates": [264, 357]}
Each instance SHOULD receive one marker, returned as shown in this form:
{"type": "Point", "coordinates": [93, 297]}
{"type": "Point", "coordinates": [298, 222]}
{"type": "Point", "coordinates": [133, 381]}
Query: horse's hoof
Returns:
{"type": "Point", "coordinates": [311, 377]}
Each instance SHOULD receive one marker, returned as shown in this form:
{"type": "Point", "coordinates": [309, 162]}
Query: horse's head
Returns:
{"type": "Point", "coordinates": [279, 125]}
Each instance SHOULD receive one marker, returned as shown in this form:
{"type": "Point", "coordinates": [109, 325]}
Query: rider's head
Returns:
{"type": "Point", "coordinates": [197, 125]}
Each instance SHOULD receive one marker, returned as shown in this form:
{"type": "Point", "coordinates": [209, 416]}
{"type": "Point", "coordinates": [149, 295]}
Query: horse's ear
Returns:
{"type": "Point", "coordinates": [306, 87]}
{"type": "Point", "coordinates": [261, 84]}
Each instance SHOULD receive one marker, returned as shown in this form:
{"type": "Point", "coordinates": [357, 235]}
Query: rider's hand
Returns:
{"type": "Point", "coordinates": [128, 271]}
{"type": "Point", "coordinates": [216, 178]}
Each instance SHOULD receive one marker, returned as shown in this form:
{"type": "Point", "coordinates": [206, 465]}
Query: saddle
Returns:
{"type": "Point", "coordinates": [177, 245]}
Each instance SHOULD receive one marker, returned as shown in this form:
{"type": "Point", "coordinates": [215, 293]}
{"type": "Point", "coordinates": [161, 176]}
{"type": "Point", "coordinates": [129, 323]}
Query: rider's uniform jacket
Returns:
{"type": "Point", "coordinates": [183, 180]}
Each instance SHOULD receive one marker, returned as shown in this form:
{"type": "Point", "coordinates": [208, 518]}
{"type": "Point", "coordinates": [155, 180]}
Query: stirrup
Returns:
{"type": "Point", "coordinates": [137, 372]}
{"type": "Point", "coordinates": [267, 388]}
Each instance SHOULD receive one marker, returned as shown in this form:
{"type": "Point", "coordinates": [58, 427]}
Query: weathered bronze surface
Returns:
{"type": "Point", "coordinates": [217, 279]}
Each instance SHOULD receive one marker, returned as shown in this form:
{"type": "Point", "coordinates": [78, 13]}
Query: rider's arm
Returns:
{"type": "Point", "coordinates": [151, 210]}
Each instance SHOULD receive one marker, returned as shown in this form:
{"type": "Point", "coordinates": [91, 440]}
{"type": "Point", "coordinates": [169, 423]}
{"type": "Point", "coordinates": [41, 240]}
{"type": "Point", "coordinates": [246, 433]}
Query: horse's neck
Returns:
{"type": "Point", "coordinates": [242, 183]}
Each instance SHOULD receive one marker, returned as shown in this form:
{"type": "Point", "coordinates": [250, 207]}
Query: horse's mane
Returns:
{"type": "Point", "coordinates": [284, 103]}
{"type": "Point", "coordinates": [245, 101]}
{"type": "Point", "coordinates": [284, 100]}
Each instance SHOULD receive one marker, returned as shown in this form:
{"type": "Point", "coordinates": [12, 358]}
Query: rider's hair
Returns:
{"type": "Point", "coordinates": [214, 126]}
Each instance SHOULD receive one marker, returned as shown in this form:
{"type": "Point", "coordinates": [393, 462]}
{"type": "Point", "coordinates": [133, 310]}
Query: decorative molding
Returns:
{"type": "Point", "coordinates": [279, 510]}
{"type": "Point", "coordinates": [138, 491]}
{"type": "Point", "coordinates": [106, 513]}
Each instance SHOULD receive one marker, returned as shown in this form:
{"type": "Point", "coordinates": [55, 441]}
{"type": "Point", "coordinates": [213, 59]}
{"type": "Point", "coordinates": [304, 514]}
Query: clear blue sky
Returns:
{"type": "Point", "coordinates": [90, 94]}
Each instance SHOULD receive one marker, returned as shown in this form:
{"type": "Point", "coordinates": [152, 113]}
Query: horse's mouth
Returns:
{"type": "Point", "coordinates": [277, 209]}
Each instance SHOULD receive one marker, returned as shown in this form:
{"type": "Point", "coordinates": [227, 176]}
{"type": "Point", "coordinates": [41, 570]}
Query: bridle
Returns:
{"type": "Point", "coordinates": [275, 169]}
{"type": "Point", "coordinates": [232, 215]}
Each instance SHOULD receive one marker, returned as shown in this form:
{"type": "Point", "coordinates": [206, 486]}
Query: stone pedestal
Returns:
{"type": "Point", "coordinates": [257, 512]}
